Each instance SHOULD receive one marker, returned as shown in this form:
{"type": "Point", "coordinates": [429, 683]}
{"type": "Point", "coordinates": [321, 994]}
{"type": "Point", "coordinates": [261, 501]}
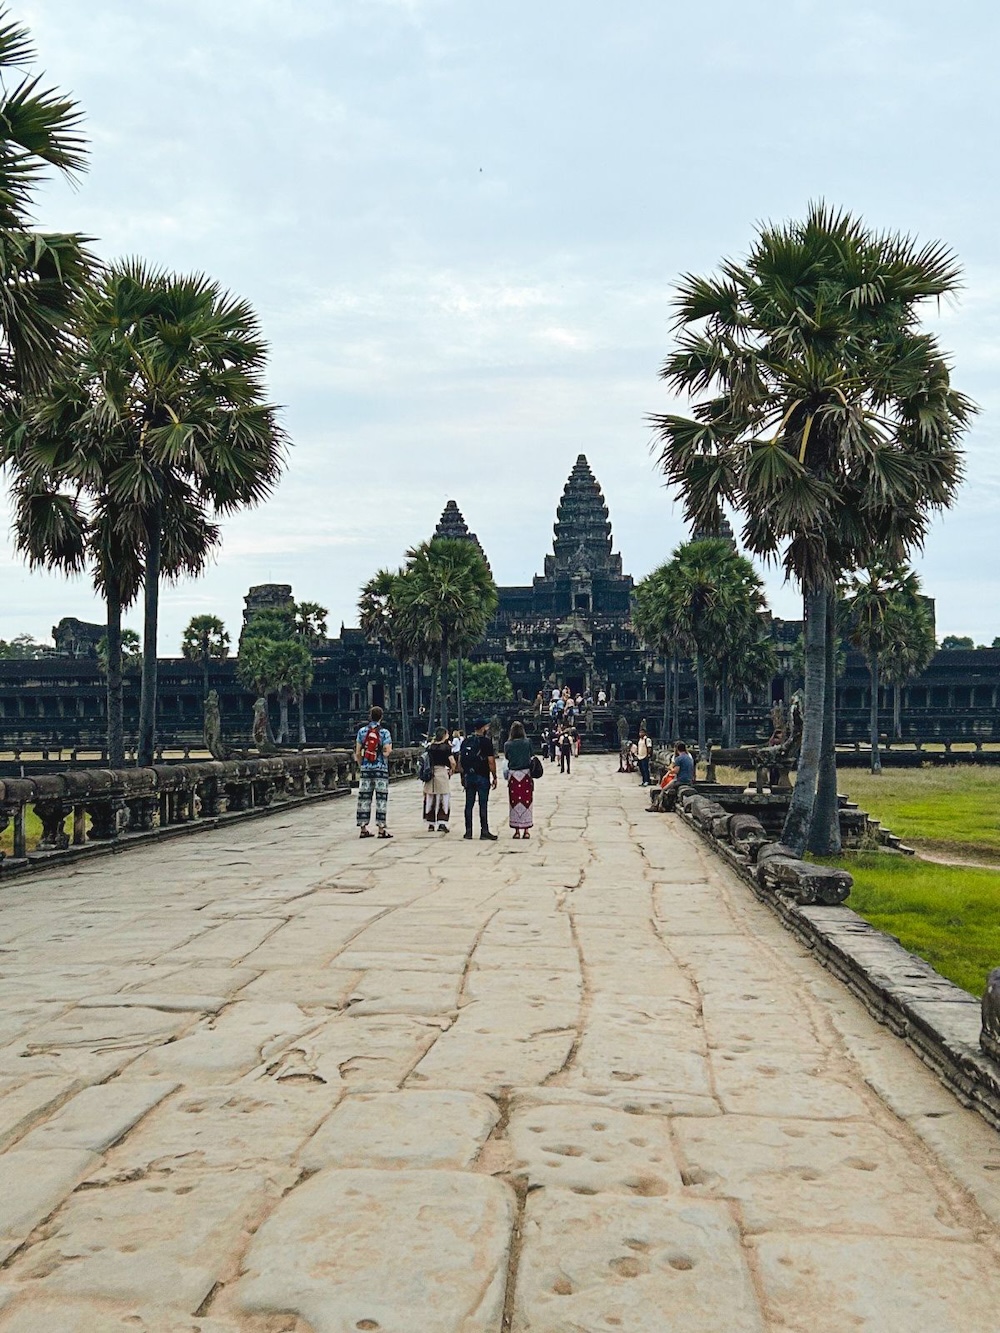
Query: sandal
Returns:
{"type": "Point", "coordinates": [526, 834]}
{"type": "Point", "coordinates": [383, 833]}
{"type": "Point", "coordinates": [366, 833]}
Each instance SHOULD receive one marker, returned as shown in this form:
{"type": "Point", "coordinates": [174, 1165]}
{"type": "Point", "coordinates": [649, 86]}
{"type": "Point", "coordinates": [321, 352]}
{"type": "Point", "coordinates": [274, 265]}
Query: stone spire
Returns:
{"type": "Point", "coordinates": [582, 528]}
{"type": "Point", "coordinates": [724, 532]}
{"type": "Point", "coordinates": [453, 525]}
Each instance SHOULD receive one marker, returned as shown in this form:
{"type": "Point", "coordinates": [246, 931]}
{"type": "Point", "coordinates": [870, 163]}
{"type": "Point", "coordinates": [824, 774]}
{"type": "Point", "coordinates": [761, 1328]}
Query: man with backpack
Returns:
{"type": "Point", "coordinates": [477, 761]}
{"type": "Point", "coordinates": [372, 749]}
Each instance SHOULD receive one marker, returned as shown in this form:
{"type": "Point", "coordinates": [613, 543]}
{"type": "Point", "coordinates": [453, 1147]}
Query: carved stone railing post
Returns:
{"type": "Point", "coordinates": [990, 1036]}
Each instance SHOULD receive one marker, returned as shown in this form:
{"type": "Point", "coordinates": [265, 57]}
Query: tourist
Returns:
{"type": "Point", "coordinates": [372, 749]}
{"type": "Point", "coordinates": [602, 698]}
{"type": "Point", "coordinates": [553, 744]}
{"type": "Point", "coordinates": [477, 760]}
{"type": "Point", "coordinates": [644, 752]}
{"type": "Point", "coordinates": [520, 784]}
{"type": "Point", "coordinates": [437, 788]}
{"type": "Point", "coordinates": [683, 765]}
{"type": "Point", "coordinates": [565, 749]}
{"type": "Point", "coordinates": [457, 737]}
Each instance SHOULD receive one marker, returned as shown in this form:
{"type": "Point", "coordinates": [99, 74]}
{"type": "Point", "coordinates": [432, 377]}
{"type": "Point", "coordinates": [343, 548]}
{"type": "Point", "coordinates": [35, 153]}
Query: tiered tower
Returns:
{"type": "Point", "coordinates": [452, 524]}
{"type": "Point", "coordinates": [582, 529]}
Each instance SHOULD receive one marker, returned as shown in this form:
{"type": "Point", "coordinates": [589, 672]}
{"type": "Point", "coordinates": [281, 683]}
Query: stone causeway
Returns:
{"type": "Point", "coordinates": [275, 1079]}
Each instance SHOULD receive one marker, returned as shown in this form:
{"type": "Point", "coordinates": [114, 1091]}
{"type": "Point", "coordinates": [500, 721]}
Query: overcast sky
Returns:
{"type": "Point", "coordinates": [461, 223]}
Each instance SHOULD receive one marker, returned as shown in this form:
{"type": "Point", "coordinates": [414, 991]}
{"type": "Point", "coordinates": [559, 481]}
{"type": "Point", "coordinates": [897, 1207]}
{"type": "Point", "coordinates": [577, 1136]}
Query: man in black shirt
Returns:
{"type": "Point", "coordinates": [477, 759]}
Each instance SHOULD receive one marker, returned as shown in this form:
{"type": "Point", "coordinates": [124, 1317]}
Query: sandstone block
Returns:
{"type": "Point", "coordinates": [394, 1251]}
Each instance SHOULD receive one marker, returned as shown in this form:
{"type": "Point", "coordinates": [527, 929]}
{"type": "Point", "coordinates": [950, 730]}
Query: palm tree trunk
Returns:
{"type": "Point", "coordinates": [665, 732]}
{"type": "Point", "coordinates": [699, 671]}
{"type": "Point", "coordinates": [432, 706]}
{"type": "Point", "coordinates": [897, 711]}
{"type": "Point", "coordinates": [302, 717]}
{"type": "Point", "coordinates": [824, 834]}
{"type": "Point", "coordinates": [675, 667]}
{"type": "Point", "coordinates": [461, 698]}
{"type": "Point", "coordinates": [444, 683]}
{"type": "Point", "coordinates": [283, 715]}
{"type": "Point", "coordinates": [733, 739]}
{"type": "Point", "coordinates": [404, 712]}
{"type": "Point", "coordinates": [727, 738]}
{"type": "Point", "coordinates": [116, 720]}
{"type": "Point", "coordinates": [800, 808]}
{"type": "Point", "coordinates": [151, 615]}
{"type": "Point", "coordinates": [873, 714]}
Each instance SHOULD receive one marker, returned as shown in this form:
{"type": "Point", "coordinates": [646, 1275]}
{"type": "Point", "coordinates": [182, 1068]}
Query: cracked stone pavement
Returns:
{"type": "Point", "coordinates": [273, 1078]}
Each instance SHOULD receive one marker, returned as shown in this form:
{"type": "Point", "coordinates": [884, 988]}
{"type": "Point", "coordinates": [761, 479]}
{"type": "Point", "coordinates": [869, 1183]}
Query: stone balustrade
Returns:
{"type": "Point", "coordinates": [110, 806]}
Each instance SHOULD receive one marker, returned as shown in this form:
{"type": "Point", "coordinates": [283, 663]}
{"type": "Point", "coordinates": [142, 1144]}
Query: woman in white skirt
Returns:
{"type": "Point", "coordinates": [437, 788]}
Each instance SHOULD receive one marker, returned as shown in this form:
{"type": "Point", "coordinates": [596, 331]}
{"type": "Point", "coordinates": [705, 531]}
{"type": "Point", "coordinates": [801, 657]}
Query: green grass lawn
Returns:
{"type": "Point", "coordinates": [949, 915]}
{"type": "Point", "coordinates": [947, 810]}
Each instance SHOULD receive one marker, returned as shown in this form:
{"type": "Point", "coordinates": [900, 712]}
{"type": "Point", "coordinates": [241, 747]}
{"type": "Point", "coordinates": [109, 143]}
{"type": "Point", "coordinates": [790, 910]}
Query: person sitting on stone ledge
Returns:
{"type": "Point", "coordinates": [679, 774]}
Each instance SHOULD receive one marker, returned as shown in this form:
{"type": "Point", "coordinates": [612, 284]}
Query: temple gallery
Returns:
{"type": "Point", "coordinates": [570, 626]}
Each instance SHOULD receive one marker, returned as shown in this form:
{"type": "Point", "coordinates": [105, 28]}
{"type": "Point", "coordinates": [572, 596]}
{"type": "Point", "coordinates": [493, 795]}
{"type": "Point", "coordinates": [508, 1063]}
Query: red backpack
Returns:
{"type": "Point", "coordinates": [371, 751]}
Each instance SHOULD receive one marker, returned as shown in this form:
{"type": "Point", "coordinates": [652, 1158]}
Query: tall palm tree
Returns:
{"type": "Point", "coordinates": [448, 585]}
{"type": "Point", "coordinates": [824, 414]}
{"type": "Point", "coordinates": [879, 602]}
{"type": "Point", "coordinates": [309, 619]}
{"type": "Point", "coordinates": [205, 641]}
{"type": "Point", "coordinates": [654, 618]}
{"type": "Point", "coordinates": [169, 414]}
{"type": "Point", "coordinates": [908, 652]}
{"type": "Point", "coordinates": [382, 623]}
{"type": "Point", "coordinates": [43, 272]}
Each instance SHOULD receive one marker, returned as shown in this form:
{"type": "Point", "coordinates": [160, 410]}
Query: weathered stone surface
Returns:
{"type": "Point", "coordinates": [578, 1147]}
{"type": "Point", "coordinates": [33, 1185]}
{"type": "Point", "coordinates": [781, 1083]}
{"type": "Point", "coordinates": [362, 1054]}
{"type": "Point", "coordinates": [402, 1129]}
{"type": "Point", "coordinates": [626, 990]}
{"type": "Point", "coordinates": [819, 1284]}
{"type": "Point", "coordinates": [308, 987]}
{"type": "Point", "coordinates": [24, 1101]}
{"type": "Point", "coordinates": [221, 1049]}
{"type": "Point", "coordinates": [393, 1251]}
{"type": "Point", "coordinates": [254, 1125]}
{"type": "Point", "coordinates": [398, 992]}
{"type": "Point", "coordinates": [799, 1175]}
{"type": "Point", "coordinates": [153, 1243]}
{"type": "Point", "coordinates": [98, 1117]}
{"type": "Point", "coordinates": [493, 1046]}
{"type": "Point", "coordinates": [641, 1265]}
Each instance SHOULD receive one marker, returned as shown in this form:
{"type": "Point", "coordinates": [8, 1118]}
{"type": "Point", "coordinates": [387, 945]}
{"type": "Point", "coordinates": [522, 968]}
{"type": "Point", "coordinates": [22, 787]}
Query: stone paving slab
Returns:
{"type": "Point", "coordinates": [587, 1083]}
{"type": "Point", "coordinates": [384, 1250]}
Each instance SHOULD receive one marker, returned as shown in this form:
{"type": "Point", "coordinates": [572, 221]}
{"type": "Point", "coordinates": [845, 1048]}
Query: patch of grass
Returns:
{"type": "Point", "coordinates": [32, 830]}
{"type": "Point", "coordinates": [949, 915]}
{"type": "Point", "coordinates": [945, 809]}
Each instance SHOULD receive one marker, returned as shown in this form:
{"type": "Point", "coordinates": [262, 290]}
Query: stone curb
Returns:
{"type": "Point", "coordinates": [937, 1019]}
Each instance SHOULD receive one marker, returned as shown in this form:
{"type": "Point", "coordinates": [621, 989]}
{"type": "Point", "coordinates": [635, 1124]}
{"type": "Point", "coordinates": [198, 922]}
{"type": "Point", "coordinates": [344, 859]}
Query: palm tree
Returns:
{"type": "Point", "coordinates": [909, 652]}
{"type": "Point", "coordinates": [382, 623]}
{"type": "Point", "coordinates": [448, 588]}
{"type": "Point", "coordinates": [43, 272]}
{"type": "Point", "coordinates": [309, 619]}
{"type": "Point", "coordinates": [168, 424]}
{"type": "Point", "coordinates": [654, 618]}
{"type": "Point", "coordinates": [825, 416]}
{"type": "Point", "coordinates": [205, 641]}
{"type": "Point", "coordinates": [879, 604]}
{"type": "Point", "coordinates": [713, 591]}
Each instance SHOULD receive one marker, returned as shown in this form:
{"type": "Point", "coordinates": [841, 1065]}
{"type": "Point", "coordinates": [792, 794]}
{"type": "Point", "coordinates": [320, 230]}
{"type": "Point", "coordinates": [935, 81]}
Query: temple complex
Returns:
{"type": "Point", "coordinates": [571, 625]}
